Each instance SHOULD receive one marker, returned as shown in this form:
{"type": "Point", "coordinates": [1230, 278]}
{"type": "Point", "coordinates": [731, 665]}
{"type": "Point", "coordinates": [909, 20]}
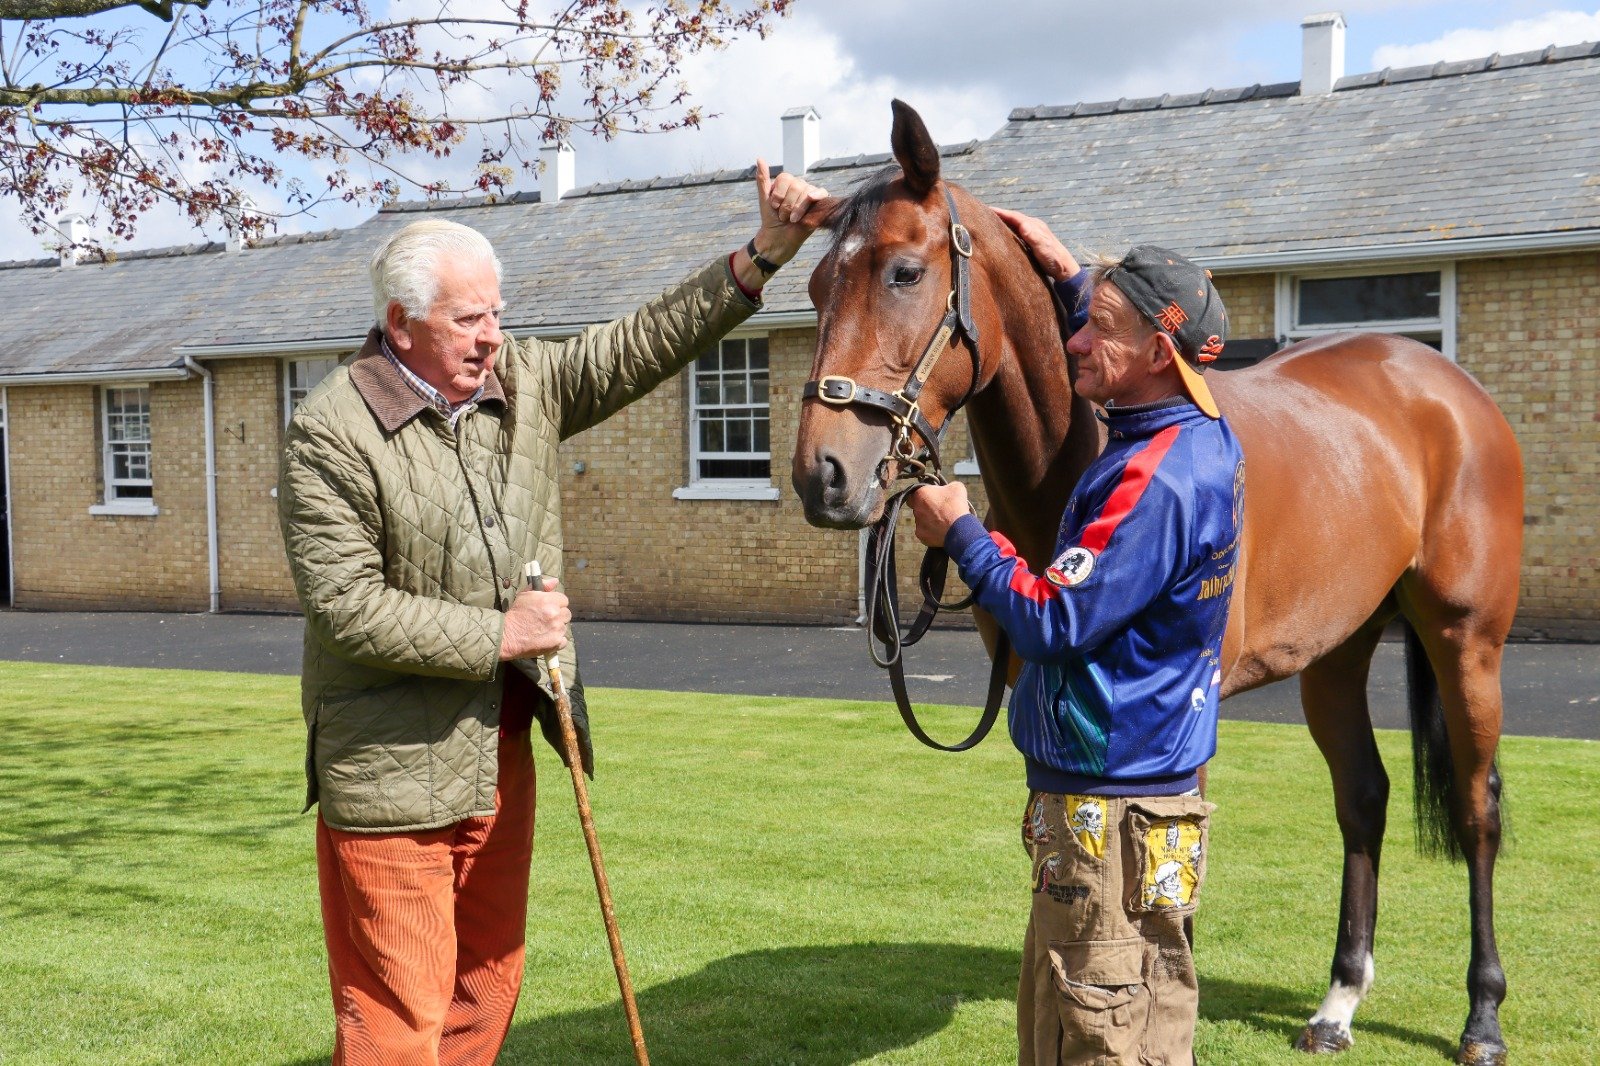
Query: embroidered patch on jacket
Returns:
{"type": "Point", "coordinates": [1172, 862]}
{"type": "Point", "coordinates": [1067, 893]}
{"type": "Point", "coordinates": [1049, 873]}
{"type": "Point", "coordinates": [1074, 565]}
{"type": "Point", "coordinates": [1087, 820]}
{"type": "Point", "coordinates": [1036, 830]}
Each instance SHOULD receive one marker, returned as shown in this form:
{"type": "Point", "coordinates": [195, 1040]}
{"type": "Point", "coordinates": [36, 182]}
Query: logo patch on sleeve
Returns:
{"type": "Point", "coordinates": [1074, 565]}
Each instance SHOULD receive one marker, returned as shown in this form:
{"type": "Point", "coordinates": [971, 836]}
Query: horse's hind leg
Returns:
{"type": "Point", "coordinates": [1465, 654]}
{"type": "Point", "coordinates": [1333, 692]}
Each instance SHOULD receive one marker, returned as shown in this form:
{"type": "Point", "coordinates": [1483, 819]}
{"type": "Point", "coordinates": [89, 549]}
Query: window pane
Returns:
{"type": "Point", "coordinates": [754, 469]}
{"type": "Point", "coordinates": [127, 443]}
{"type": "Point", "coordinates": [1373, 298]}
{"type": "Point", "coordinates": [306, 374]}
{"type": "Point", "coordinates": [731, 427]}
{"type": "Point", "coordinates": [131, 466]}
{"type": "Point", "coordinates": [709, 363]}
{"type": "Point", "coordinates": [710, 434]}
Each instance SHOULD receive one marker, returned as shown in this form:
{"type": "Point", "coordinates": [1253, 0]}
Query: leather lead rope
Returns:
{"type": "Point", "coordinates": [883, 623]}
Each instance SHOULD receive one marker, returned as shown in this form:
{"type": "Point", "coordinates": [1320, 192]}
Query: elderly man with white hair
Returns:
{"type": "Point", "coordinates": [416, 482]}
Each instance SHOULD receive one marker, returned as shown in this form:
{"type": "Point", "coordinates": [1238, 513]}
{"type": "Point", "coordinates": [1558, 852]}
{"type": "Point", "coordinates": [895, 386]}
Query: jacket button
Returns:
{"type": "Point", "coordinates": [505, 582]}
{"type": "Point", "coordinates": [488, 521]}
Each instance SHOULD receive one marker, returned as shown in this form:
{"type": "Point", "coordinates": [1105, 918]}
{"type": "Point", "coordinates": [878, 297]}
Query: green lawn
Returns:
{"type": "Point", "coordinates": [797, 881]}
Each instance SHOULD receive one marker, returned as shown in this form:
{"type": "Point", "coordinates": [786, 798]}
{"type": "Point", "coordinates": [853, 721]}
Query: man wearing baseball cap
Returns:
{"type": "Point", "coordinates": [1115, 710]}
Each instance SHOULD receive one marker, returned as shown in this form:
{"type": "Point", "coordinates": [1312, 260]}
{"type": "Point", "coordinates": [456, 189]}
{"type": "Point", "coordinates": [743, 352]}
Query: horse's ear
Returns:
{"type": "Point", "coordinates": [914, 150]}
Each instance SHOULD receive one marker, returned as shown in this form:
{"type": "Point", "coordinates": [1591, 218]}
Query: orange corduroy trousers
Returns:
{"type": "Point", "coordinates": [426, 930]}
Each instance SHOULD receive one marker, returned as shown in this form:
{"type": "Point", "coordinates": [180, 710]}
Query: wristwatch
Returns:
{"type": "Point", "coordinates": [763, 264]}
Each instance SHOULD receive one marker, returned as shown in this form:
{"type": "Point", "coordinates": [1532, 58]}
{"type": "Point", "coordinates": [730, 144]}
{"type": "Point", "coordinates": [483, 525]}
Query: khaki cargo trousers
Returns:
{"type": "Point", "coordinates": [1107, 968]}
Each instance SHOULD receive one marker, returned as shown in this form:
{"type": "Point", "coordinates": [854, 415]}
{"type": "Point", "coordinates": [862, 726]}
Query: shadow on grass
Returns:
{"type": "Point", "coordinates": [1284, 1011]}
{"type": "Point", "coordinates": [841, 1004]}
{"type": "Point", "coordinates": [823, 1006]}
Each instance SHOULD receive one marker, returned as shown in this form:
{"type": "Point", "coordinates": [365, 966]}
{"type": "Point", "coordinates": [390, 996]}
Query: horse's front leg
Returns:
{"type": "Point", "coordinates": [1333, 692]}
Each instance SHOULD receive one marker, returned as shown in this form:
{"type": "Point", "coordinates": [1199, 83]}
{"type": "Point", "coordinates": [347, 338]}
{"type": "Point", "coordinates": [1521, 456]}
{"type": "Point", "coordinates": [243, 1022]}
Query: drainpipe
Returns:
{"type": "Point", "coordinates": [211, 482]}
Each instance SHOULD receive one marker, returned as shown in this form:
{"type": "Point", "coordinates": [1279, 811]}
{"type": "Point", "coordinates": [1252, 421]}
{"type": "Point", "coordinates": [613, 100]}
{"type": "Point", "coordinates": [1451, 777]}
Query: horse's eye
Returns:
{"type": "Point", "coordinates": [906, 275]}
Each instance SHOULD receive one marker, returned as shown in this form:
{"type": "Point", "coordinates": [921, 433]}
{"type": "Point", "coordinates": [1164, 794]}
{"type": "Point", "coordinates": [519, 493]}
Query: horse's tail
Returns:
{"type": "Point", "coordinates": [1432, 767]}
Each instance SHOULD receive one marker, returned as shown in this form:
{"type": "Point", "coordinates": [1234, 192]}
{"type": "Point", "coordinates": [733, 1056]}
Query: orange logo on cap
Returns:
{"type": "Point", "coordinates": [1210, 349]}
{"type": "Point", "coordinates": [1171, 317]}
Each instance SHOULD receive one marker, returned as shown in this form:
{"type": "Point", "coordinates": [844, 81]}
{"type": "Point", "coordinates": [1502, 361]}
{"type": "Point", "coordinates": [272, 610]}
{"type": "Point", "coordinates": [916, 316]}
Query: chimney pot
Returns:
{"type": "Point", "coordinates": [556, 171]}
{"type": "Point", "coordinates": [802, 139]}
{"type": "Point", "coordinates": [1321, 53]}
{"type": "Point", "coordinates": [234, 242]}
{"type": "Point", "coordinates": [74, 230]}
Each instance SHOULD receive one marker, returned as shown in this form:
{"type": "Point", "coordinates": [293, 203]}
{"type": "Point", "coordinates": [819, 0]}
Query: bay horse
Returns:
{"type": "Point", "coordinates": [1383, 482]}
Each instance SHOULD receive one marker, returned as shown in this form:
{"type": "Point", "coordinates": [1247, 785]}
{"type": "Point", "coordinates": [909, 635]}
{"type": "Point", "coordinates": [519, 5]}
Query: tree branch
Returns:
{"type": "Point", "coordinates": [49, 10]}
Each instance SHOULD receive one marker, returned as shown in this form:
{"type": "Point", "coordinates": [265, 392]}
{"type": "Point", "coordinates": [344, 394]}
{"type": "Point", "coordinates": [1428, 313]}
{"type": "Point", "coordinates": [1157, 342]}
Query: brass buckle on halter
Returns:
{"type": "Point", "coordinates": [836, 379]}
{"type": "Point", "coordinates": [961, 240]}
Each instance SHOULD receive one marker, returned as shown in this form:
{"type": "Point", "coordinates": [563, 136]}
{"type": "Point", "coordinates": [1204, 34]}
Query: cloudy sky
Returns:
{"type": "Point", "coordinates": [965, 64]}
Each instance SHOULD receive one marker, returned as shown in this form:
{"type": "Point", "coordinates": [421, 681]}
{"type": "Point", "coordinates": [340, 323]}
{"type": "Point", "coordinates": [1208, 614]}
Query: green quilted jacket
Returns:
{"type": "Point", "coordinates": [407, 543]}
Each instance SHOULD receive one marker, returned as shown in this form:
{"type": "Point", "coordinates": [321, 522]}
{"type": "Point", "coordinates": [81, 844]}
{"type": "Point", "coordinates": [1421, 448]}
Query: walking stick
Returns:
{"type": "Point", "coordinates": [569, 740]}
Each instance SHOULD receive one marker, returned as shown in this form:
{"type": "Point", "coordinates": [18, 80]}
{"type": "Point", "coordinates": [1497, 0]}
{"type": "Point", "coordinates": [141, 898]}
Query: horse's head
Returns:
{"type": "Point", "coordinates": [881, 292]}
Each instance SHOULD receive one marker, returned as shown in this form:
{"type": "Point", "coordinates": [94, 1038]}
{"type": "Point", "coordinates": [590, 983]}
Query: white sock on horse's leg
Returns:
{"type": "Point", "coordinates": [1339, 1006]}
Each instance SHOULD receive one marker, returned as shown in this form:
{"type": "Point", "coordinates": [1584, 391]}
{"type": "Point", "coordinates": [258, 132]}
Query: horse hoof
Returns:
{"type": "Point", "coordinates": [1324, 1038]}
{"type": "Point", "coordinates": [1474, 1053]}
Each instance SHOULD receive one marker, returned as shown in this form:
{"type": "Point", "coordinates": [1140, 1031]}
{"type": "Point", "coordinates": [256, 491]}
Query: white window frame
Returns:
{"type": "Point", "coordinates": [700, 488]}
{"type": "Point", "coordinates": [289, 402]}
{"type": "Point", "coordinates": [1445, 325]}
{"type": "Point", "coordinates": [112, 503]}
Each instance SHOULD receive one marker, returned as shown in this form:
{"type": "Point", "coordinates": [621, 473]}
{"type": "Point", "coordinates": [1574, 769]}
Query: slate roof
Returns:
{"type": "Point", "coordinates": [1493, 147]}
{"type": "Point", "coordinates": [1488, 147]}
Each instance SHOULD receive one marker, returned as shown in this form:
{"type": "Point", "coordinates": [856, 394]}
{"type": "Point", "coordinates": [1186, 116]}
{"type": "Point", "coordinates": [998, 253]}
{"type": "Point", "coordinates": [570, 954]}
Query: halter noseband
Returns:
{"type": "Point", "coordinates": [904, 412]}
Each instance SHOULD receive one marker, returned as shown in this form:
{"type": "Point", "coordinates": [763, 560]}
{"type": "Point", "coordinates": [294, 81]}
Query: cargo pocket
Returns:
{"type": "Point", "coordinates": [1168, 836]}
{"type": "Point", "coordinates": [1105, 1005]}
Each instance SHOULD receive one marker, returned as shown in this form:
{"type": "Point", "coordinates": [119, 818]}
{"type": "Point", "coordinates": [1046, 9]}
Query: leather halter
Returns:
{"type": "Point", "coordinates": [883, 608]}
{"type": "Point", "coordinates": [904, 412]}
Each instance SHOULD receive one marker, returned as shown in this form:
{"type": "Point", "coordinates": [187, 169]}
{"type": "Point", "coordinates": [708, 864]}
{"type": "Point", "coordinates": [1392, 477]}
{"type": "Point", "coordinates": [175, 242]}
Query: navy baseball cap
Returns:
{"type": "Point", "coordinates": [1179, 300]}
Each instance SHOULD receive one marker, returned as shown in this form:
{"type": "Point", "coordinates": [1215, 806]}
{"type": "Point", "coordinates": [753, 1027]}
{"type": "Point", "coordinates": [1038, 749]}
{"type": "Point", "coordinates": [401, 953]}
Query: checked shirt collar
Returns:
{"type": "Point", "coordinates": [452, 412]}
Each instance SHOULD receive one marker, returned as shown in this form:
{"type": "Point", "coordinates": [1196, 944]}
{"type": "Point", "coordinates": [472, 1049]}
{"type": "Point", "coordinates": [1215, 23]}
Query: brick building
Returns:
{"type": "Point", "coordinates": [142, 401]}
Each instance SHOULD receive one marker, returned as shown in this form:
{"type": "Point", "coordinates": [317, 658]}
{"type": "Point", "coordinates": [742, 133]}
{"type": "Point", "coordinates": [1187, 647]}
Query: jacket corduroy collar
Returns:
{"type": "Point", "coordinates": [393, 402]}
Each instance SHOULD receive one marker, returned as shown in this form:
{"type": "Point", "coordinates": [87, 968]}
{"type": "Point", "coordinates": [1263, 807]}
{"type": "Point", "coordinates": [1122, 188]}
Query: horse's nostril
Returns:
{"type": "Point", "coordinates": [830, 473]}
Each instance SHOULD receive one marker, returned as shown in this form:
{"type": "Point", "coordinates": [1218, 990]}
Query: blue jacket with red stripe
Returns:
{"type": "Point", "coordinates": [1122, 634]}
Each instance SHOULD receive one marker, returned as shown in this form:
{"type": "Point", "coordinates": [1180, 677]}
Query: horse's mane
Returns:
{"type": "Point", "coordinates": [860, 211]}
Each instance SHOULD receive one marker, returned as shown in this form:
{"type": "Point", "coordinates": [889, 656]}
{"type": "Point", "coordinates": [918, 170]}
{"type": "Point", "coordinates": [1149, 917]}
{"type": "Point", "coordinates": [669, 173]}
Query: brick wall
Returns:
{"type": "Point", "coordinates": [635, 552]}
{"type": "Point", "coordinates": [1529, 329]}
{"type": "Point", "coordinates": [68, 559]}
{"type": "Point", "coordinates": [1251, 300]}
{"type": "Point", "coordinates": [250, 418]}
